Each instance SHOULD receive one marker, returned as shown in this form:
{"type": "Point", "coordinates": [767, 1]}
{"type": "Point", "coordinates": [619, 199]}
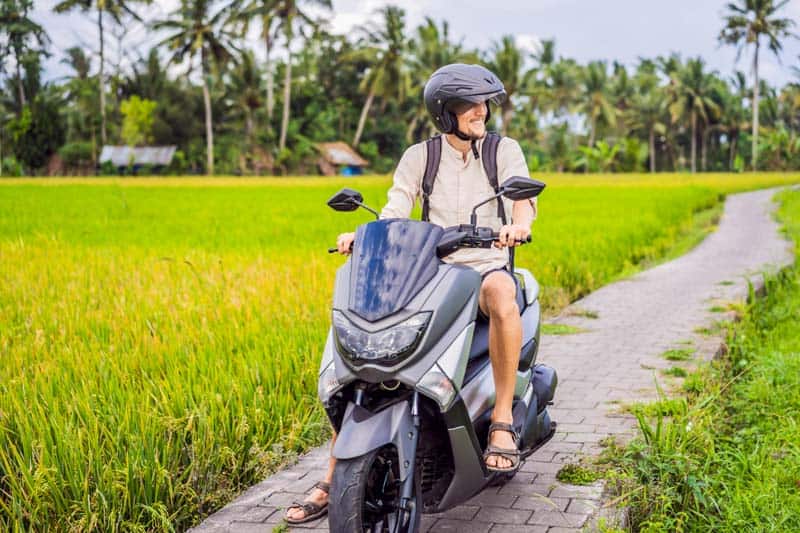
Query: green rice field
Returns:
{"type": "Point", "coordinates": [160, 338]}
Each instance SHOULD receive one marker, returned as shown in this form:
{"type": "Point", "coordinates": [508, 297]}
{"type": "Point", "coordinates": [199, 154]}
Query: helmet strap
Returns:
{"type": "Point", "coordinates": [464, 137]}
{"type": "Point", "coordinates": [474, 145]}
{"type": "Point", "coordinates": [472, 141]}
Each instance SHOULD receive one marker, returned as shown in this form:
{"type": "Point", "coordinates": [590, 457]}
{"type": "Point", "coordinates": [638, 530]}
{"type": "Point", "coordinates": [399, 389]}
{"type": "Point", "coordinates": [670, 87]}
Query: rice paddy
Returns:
{"type": "Point", "coordinates": [160, 338]}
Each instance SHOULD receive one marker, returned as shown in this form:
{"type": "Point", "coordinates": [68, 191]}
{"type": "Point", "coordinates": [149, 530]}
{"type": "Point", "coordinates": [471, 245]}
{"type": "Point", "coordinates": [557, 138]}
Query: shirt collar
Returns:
{"type": "Point", "coordinates": [456, 154]}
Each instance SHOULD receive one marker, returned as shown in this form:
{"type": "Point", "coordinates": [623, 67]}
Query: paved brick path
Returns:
{"type": "Point", "coordinates": [616, 360]}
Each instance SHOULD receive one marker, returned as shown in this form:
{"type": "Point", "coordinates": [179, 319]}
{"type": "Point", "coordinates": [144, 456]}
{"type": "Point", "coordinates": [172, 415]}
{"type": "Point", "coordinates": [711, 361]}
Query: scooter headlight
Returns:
{"type": "Point", "coordinates": [385, 347]}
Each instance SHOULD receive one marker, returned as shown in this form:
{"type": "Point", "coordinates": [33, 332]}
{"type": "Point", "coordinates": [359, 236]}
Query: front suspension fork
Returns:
{"type": "Point", "coordinates": [408, 508]}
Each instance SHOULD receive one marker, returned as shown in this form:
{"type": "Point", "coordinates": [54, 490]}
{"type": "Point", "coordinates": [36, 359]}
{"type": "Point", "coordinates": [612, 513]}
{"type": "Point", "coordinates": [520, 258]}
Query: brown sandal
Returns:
{"type": "Point", "coordinates": [510, 454]}
{"type": "Point", "coordinates": [312, 510]}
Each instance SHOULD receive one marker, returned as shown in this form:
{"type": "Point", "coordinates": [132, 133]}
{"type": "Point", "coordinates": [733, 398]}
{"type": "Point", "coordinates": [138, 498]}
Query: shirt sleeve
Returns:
{"type": "Point", "coordinates": [405, 184]}
{"type": "Point", "coordinates": [511, 162]}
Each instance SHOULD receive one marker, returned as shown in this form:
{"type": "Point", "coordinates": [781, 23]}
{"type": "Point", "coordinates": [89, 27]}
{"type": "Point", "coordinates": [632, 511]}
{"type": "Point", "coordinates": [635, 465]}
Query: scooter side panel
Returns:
{"type": "Point", "coordinates": [363, 431]}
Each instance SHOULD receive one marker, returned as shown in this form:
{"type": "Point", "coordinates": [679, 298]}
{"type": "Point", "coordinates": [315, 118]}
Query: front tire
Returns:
{"type": "Point", "coordinates": [365, 495]}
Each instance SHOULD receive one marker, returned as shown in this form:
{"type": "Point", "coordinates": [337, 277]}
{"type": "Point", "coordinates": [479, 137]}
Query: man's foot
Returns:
{"type": "Point", "coordinates": [313, 507]}
{"type": "Point", "coordinates": [502, 454]}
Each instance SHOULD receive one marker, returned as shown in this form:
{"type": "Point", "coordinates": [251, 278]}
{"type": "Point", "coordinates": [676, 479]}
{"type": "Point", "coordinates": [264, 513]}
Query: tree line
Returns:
{"type": "Point", "coordinates": [202, 88]}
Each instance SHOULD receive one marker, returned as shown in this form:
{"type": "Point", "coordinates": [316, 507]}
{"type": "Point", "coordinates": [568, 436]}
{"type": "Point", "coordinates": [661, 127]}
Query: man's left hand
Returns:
{"type": "Point", "coordinates": [510, 234]}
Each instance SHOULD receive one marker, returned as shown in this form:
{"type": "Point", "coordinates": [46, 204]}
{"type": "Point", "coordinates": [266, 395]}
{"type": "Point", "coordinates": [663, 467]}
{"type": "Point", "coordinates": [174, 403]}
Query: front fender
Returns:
{"type": "Point", "coordinates": [363, 431]}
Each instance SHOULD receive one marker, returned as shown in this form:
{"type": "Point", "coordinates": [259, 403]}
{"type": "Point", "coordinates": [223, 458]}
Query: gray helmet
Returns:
{"type": "Point", "coordinates": [458, 84]}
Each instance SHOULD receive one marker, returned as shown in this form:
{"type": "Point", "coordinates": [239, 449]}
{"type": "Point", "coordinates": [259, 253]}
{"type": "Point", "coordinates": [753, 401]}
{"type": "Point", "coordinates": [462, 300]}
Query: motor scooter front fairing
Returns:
{"type": "Point", "coordinates": [402, 322]}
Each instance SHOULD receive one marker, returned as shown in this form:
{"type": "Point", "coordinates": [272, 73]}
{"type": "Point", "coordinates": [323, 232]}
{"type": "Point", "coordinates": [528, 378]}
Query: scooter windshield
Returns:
{"type": "Point", "coordinates": [392, 260]}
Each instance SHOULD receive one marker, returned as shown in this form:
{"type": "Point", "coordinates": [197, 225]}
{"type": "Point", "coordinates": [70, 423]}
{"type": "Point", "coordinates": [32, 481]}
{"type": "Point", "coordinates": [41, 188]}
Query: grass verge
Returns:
{"type": "Point", "coordinates": [729, 460]}
{"type": "Point", "coordinates": [560, 329]}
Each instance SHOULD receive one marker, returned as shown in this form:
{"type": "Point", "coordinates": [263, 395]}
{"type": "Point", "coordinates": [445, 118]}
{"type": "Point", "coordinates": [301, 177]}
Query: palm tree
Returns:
{"type": "Point", "coordinates": [746, 23]}
{"type": "Point", "coordinates": [431, 50]}
{"type": "Point", "coordinates": [691, 93]}
{"type": "Point", "coordinates": [733, 115]}
{"type": "Point", "coordinates": [244, 91]}
{"type": "Point", "coordinates": [647, 114]}
{"type": "Point", "coordinates": [546, 55]}
{"type": "Point", "coordinates": [506, 62]}
{"type": "Point", "coordinates": [534, 83]}
{"type": "Point", "coordinates": [266, 11]}
{"type": "Point", "coordinates": [22, 36]}
{"type": "Point", "coordinates": [291, 19]}
{"type": "Point", "coordinates": [384, 47]}
{"type": "Point", "coordinates": [198, 31]}
{"type": "Point", "coordinates": [594, 98]}
{"type": "Point", "coordinates": [562, 81]}
{"type": "Point", "coordinates": [81, 90]}
{"type": "Point", "coordinates": [115, 9]}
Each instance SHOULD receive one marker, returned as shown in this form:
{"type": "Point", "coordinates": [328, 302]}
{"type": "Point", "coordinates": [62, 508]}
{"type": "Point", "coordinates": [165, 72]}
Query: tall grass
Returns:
{"type": "Point", "coordinates": [729, 460]}
{"type": "Point", "coordinates": [160, 338]}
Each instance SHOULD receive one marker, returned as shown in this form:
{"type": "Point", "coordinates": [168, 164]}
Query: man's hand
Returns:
{"type": "Point", "coordinates": [344, 241]}
{"type": "Point", "coordinates": [510, 234]}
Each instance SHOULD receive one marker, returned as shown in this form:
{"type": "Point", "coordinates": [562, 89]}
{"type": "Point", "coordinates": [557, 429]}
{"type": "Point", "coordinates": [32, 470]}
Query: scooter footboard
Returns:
{"type": "Point", "coordinates": [363, 431]}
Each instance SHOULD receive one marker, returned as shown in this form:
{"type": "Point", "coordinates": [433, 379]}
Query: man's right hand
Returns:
{"type": "Point", "coordinates": [344, 242]}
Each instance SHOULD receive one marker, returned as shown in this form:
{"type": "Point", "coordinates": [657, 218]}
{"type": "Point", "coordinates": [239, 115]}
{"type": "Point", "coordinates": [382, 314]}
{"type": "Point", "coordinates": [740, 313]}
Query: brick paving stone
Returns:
{"type": "Point", "coordinates": [241, 513]}
{"type": "Point", "coordinates": [613, 363]}
{"type": "Point", "coordinates": [541, 503]}
{"type": "Point", "coordinates": [508, 528]}
{"type": "Point", "coordinates": [462, 512]}
{"type": "Point", "coordinates": [582, 506]}
{"type": "Point", "coordinates": [555, 518]}
{"type": "Point", "coordinates": [460, 526]}
{"type": "Point", "coordinates": [521, 489]}
{"type": "Point", "coordinates": [540, 467]}
{"type": "Point", "coordinates": [577, 491]}
{"type": "Point", "coordinates": [501, 515]}
{"type": "Point", "coordinates": [249, 527]}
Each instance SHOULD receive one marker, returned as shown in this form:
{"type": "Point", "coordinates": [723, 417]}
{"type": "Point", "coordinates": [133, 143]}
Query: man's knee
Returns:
{"type": "Point", "coordinates": [498, 293]}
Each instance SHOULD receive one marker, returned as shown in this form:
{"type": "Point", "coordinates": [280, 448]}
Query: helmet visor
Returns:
{"type": "Point", "coordinates": [465, 102]}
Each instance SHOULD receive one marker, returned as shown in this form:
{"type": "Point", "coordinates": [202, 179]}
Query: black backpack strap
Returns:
{"type": "Point", "coordinates": [433, 157]}
{"type": "Point", "coordinates": [489, 156]}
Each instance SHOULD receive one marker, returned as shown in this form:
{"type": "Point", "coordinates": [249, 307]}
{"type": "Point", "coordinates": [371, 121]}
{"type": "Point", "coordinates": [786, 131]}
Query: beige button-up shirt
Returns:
{"type": "Point", "coordinates": [458, 186]}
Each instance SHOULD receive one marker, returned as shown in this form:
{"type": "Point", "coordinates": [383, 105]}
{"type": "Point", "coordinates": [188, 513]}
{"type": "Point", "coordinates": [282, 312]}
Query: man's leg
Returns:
{"type": "Point", "coordinates": [317, 496]}
{"type": "Point", "coordinates": [498, 302]}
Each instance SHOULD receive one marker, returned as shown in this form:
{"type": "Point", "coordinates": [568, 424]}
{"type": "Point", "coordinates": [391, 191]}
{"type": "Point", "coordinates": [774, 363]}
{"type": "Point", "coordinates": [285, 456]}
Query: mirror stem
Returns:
{"type": "Point", "coordinates": [473, 218]}
{"type": "Point", "coordinates": [368, 208]}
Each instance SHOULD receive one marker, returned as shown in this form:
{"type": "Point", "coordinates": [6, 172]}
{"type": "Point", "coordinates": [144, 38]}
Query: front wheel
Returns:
{"type": "Point", "coordinates": [365, 495]}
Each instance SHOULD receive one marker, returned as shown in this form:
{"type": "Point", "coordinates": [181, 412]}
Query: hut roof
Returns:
{"type": "Point", "coordinates": [122, 156]}
{"type": "Point", "coordinates": [340, 153]}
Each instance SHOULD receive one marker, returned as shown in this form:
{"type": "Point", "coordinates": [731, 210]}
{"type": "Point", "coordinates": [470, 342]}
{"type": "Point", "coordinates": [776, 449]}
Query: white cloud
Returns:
{"type": "Point", "coordinates": [583, 29]}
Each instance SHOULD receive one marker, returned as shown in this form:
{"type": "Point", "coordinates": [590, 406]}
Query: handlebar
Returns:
{"type": "Point", "coordinates": [464, 236]}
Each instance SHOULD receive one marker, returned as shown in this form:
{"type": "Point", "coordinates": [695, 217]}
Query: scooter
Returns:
{"type": "Point", "coordinates": [405, 376]}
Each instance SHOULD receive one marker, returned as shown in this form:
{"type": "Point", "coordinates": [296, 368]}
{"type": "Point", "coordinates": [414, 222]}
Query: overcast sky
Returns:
{"type": "Point", "coordinates": [583, 29]}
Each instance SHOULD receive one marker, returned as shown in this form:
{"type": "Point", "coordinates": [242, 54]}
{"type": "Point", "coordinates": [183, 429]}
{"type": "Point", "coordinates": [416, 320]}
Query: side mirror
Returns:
{"type": "Point", "coordinates": [346, 200]}
{"type": "Point", "coordinates": [519, 188]}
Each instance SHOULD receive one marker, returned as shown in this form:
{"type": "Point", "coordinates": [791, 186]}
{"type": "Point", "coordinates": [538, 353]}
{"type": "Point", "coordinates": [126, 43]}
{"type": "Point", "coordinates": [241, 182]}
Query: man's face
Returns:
{"type": "Point", "coordinates": [471, 119]}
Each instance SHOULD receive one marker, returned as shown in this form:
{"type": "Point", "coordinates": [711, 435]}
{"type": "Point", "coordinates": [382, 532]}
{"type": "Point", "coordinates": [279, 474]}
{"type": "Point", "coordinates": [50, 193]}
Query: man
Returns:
{"type": "Point", "coordinates": [457, 97]}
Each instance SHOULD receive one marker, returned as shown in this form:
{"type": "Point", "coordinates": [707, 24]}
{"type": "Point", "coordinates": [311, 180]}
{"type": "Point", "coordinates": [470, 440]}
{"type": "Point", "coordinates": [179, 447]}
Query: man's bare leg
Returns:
{"type": "Point", "coordinates": [320, 497]}
{"type": "Point", "coordinates": [498, 301]}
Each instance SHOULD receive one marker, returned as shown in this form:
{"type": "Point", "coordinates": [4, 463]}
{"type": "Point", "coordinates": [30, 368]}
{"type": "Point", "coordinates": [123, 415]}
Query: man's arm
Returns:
{"type": "Point", "coordinates": [405, 184]}
{"type": "Point", "coordinates": [402, 194]}
{"type": "Point", "coordinates": [511, 162]}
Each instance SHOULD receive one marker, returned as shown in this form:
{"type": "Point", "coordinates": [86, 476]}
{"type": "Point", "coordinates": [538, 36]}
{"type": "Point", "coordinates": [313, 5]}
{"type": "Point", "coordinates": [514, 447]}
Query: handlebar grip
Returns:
{"type": "Point", "coordinates": [335, 249]}
{"type": "Point", "coordinates": [496, 236]}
